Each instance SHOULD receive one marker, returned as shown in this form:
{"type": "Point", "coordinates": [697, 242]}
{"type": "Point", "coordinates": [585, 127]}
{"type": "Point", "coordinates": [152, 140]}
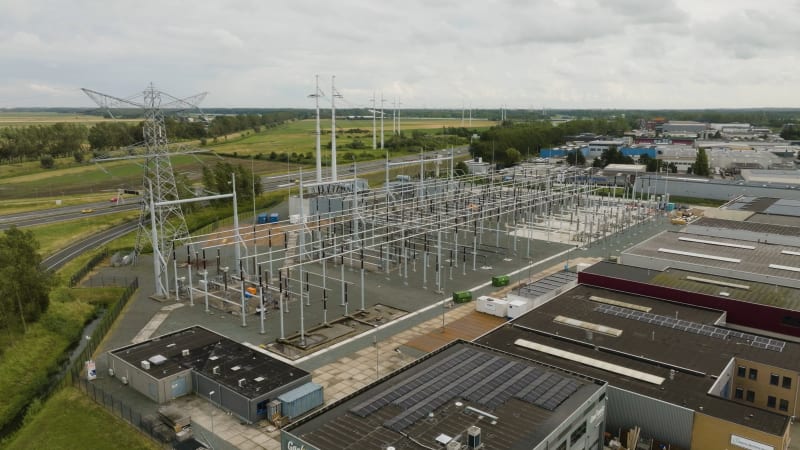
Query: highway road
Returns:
{"type": "Point", "coordinates": [269, 183]}
{"type": "Point", "coordinates": [58, 259]}
{"type": "Point", "coordinates": [60, 214]}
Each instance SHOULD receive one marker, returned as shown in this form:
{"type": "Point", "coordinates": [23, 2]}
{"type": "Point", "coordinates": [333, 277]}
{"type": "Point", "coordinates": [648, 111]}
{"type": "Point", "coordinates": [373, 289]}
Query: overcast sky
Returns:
{"type": "Point", "coordinates": [434, 53]}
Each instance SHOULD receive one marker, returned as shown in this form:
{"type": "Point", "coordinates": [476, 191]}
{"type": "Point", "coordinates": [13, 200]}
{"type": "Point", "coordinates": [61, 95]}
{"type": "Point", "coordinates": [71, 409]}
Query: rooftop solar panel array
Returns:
{"type": "Point", "coordinates": [480, 377]}
{"type": "Point", "coordinates": [692, 327]}
{"type": "Point", "coordinates": [547, 284]}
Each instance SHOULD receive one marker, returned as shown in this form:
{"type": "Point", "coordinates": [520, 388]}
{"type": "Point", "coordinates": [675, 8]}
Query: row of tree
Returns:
{"type": "Point", "coordinates": [217, 180]}
{"type": "Point", "coordinates": [30, 143]}
{"type": "Point", "coordinates": [45, 142]}
{"type": "Point", "coordinates": [527, 139]}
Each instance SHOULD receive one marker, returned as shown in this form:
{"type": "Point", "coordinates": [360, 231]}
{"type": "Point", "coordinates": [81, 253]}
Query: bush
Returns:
{"type": "Point", "coordinates": [47, 162]}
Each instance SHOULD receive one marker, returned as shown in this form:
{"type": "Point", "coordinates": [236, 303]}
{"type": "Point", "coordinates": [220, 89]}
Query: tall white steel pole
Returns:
{"type": "Point", "coordinates": [319, 150]}
{"type": "Point", "coordinates": [333, 128]}
{"type": "Point", "coordinates": [382, 120]}
{"type": "Point", "coordinates": [374, 130]}
{"type": "Point", "coordinates": [398, 117]}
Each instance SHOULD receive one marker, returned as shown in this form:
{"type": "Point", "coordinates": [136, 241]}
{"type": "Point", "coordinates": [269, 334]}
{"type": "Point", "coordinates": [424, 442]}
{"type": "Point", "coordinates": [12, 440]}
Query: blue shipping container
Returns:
{"type": "Point", "coordinates": [262, 218]}
{"type": "Point", "coordinates": [274, 217]}
{"type": "Point", "coordinates": [301, 400]}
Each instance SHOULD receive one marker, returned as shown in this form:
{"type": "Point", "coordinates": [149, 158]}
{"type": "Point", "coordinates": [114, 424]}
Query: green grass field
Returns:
{"type": "Point", "coordinates": [53, 237]}
{"type": "Point", "coordinates": [70, 420]}
{"type": "Point", "coordinates": [299, 137]}
{"type": "Point", "coordinates": [20, 119]}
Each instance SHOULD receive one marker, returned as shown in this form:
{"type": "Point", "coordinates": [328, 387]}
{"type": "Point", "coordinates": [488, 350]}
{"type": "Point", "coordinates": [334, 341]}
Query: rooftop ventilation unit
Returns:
{"type": "Point", "coordinates": [453, 445]}
{"type": "Point", "coordinates": [241, 382]}
{"type": "Point", "coordinates": [215, 370]}
{"type": "Point", "coordinates": [474, 438]}
{"type": "Point", "coordinates": [157, 360]}
{"type": "Point", "coordinates": [185, 352]}
{"type": "Point", "coordinates": [146, 365]}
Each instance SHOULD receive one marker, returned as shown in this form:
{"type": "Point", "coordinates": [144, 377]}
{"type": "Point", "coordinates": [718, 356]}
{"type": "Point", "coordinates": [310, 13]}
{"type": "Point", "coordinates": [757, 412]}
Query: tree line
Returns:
{"type": "Point", "coordinates": [32, 142]}
{"type": "Point", "coordinates": [45, 142]}
{"type": "Point", "coordinates": [509, 142]}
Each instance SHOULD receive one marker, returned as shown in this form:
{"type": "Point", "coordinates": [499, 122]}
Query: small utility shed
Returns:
{"type": "Point", "coordinates": [231, 375]}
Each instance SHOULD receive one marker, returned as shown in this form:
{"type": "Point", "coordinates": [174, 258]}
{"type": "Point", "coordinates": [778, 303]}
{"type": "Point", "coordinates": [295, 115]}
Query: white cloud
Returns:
{"type": "Point", "coordinates": [552, 53]}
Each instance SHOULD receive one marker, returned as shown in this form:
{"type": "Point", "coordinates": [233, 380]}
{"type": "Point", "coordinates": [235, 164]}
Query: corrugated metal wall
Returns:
{"type": "Point", "coordinates": [663, 421]}
{"type": "Point", "coordinates": [715, 189]}
{"type": "Point", "coordinates": [224, 397]}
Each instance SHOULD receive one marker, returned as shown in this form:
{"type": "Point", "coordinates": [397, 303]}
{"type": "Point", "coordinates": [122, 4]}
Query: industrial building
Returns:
{"type": "Point", "coordinates": [683, 127]}
{"type": "Point", "coordinates": [673, 370]}
{"type": "Point", "coordinates": [462, 396]}
{"type": "Point", "coordinates": [196, 360]}
{"type": "Point", "coordinates": [761, 262]}
{"type": "Point", "coordinates": [748, 305]}
{"type": "Point", "coordinates": [787, 178]}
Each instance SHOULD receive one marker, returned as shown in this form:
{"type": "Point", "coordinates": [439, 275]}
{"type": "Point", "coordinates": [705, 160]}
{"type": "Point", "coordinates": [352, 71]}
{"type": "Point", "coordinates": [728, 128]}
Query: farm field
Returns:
{"type": "Point", "coordinates": [298, 137]}
{"type": "Point", "coordinates": [19, 119]}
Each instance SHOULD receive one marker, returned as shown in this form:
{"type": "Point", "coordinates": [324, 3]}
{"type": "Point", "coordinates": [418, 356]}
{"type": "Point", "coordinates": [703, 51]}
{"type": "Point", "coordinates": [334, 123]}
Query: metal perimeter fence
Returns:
{"type": "Point", "coordinates": [80, 273]}
{"type": "Point", "coordinates": [99, 332]}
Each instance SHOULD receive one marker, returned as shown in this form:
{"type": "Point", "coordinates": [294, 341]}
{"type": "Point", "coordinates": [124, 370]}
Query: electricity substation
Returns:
{"type": "Point", "coordinates": [349, 258]}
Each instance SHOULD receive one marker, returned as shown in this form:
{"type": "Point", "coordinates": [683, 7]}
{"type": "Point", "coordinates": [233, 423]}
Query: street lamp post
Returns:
{"type": "Point", "coordinates": [211, 397]}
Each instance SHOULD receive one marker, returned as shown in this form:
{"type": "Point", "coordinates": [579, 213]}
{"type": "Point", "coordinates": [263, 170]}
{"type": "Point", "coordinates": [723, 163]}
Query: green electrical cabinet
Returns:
{"type": "Point", "coordinates": [500, 280]}
{"type": "Point", "coordinates": [462, 296]}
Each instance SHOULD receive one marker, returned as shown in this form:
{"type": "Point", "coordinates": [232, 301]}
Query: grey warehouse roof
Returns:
{"type": "Point", "coordinates": [758, 293]}
{"type": "Point", "coordinates": [765, 205]}
{"type": "Point", "coordinates": [436, 394]}
{"type": "Point", "coordinates": [700, 252]}
{"type": "Point", "coordinates": [207, 350]}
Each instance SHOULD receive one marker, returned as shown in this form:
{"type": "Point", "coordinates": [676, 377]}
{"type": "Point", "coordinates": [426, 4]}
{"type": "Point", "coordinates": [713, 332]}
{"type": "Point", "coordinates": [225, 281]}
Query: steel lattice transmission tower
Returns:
{"type": "Point", "coordinates": [167, 225]}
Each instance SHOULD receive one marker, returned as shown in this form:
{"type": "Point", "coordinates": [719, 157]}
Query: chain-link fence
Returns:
{"type": "Point", "coordinates": [107, 320]}
{"type": "Point", "coordinates": [80, 273]}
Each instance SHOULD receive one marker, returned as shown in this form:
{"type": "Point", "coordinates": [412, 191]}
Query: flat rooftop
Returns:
{"type": "Point", "coordinates": [671, 248]}
{"type": "Point", "coordinates": [439, 394]}
{"type": "Point", "coordinates": [684, 280]}
{"type": "Point", "coordinates": [748, 227]}
{"type": "Point", "coordinates": [644, 347]}
{"type": "Point", "coordinates": [766, 205]}
{"type": "Point", "coordinates": [207, 350]}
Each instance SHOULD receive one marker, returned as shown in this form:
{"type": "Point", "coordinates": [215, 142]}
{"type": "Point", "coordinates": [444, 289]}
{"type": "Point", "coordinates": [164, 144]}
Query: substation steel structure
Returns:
{"type": "Point", "coordinates": [438, 224]}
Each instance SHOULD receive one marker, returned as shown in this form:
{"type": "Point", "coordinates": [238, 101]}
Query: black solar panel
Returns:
{"type": "Point", "coordinates": [692, 327]}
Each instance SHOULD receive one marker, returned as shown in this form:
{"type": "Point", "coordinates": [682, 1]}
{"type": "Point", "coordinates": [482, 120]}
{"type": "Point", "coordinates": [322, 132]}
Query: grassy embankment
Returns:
{"type": "Point", "coordinates": [70, 420]}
